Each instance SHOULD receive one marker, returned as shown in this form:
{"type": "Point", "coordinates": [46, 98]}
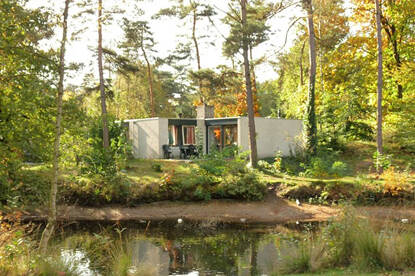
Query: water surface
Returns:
{"type": "Point", "coordinates": [171, 248]}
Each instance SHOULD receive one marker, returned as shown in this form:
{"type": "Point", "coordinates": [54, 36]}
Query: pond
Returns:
{"type": "Point", "coordinates": [172, 248]}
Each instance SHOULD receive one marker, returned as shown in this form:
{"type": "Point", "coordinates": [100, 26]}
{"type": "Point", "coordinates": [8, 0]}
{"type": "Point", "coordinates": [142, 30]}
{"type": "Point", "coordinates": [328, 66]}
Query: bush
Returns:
{"type": "Point", "coordinates": [156, 167]}
{"type": "Point", "coordinates": [397, 184]}
{"type": "Point", "coordinates": [95, 190]}
{"type": "Point", "coordinates": [381, 161]}
{"type": "Point", "coordinates": [215, 176]}
{"type": "Point", "coordinates": [246, 186]}
{"type": "Point", "coordinates": [273, 167]}
{"type": "Point", "coordinates": [106, 162]}
{"type": "Point", "coordinates": [325, 165]}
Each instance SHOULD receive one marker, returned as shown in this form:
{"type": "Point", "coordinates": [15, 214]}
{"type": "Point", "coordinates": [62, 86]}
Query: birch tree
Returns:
{"type": "Point", "coordinates": [379, 140]}
{"type": "Point", "coordinates": [50, 227]}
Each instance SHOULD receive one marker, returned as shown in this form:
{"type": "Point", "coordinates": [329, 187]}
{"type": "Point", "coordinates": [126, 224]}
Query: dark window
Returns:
{"type": "Point", "coordinates": [189, 135]}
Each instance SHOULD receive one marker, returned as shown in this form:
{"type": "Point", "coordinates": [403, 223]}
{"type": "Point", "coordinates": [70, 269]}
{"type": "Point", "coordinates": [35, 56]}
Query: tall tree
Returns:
{"type": "Point", "coordinates": [24, 84]}
{"type": "Point", "coordinates": [397, 19]}
{"type": "Point", "coordinates": [379, 140]}
{"type": "Point", "coordinates": [249, 99]}
{"type": "Point", "coordinates": [310, 123]}
{"type": "Point", "coordinates": [248, 29]}
{"type": "Point", "coordinates": [105, 131]}
{"type": "Point", "coordinates": [49, 229]}
{"type": "Point", "coordinates": [196, 10]}
{"type": "Point", "coordinates": [139, 37]}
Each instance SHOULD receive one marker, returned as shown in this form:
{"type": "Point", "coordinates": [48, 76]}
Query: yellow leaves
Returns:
{"type": "Point", "coordinates": [396, 183]}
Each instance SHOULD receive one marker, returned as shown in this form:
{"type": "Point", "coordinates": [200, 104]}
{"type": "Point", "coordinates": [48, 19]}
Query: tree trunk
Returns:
{"type": "Point", "coordinates": [252, 69]}
{"type": "Point", "coordinates": [254, 258]}
{"type": "Point", "coordinates": [50, 227]}
{"type": "Point", "coordinates": [195, 39]}
{"type": "Point", "coordinates": [105, 131]}
{"type": "Point", "coordinates": [310, 124]}
{"type": "Point", "coordinates": [379, 139]}
{"type": "Point", "coordinates": [253, 84]}
{"type": "Point", "coordinates": [197, 51]}
{"type": "Point", "coordinates": [301, 65]}
{"type": "Point", "coordinates": [249, 98]}
{"type": "Point", "coordinates": [150, 81]}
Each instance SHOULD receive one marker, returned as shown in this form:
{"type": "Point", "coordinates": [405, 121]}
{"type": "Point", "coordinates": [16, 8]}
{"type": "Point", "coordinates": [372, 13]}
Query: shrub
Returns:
{"type": "Point", "coordinates": [381, 161]}
{"type": "Point", "coordinates": [246, 186]}
{"type": "Point", "coordinates": [338, 169]}
{"type": "Point", "coordinates": [325, 165]}
{"type": "Point", "coordinates": [274, 167]}
{"type": "Point", "coordinates": [156, 167]}
{"type": "Point", "coordinates": [265, 166]}
{"type": "Point", "coordinates": [397, 184]}
{"type": "Point", "coordinates": [95, 190]}
{"type": "Point", "coordinates": [106, 162]}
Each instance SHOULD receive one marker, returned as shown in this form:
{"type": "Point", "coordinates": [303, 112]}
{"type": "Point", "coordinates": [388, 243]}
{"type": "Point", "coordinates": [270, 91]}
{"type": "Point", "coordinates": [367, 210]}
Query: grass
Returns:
{"type": "Point", "coordinates": [353, 244]}
{"type": "Point", "coordinates": [141, 170]}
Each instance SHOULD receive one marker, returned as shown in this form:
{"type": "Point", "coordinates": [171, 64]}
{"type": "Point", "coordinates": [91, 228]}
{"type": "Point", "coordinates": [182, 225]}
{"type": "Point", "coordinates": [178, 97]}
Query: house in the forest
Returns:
{"type": "Point", "coordinates": [178, 137]}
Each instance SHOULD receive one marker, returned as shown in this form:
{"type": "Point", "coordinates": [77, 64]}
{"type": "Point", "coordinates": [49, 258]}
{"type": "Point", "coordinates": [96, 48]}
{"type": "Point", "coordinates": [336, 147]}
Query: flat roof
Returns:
{"type": "Point", "coordinates": [206, 119]}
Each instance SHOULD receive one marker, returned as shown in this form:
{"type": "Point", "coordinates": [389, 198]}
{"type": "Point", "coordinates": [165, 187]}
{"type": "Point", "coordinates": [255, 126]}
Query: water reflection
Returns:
{"type": "Point", "coordinates": [199, 251]}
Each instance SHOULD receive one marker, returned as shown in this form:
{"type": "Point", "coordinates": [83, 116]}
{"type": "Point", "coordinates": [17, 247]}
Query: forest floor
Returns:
{"type": "Point", "coordinates": [272, 209]}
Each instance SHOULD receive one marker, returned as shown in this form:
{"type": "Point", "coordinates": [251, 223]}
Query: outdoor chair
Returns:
{"type": "Point", "coordinates": [192, 151]}
{"type": "Point", "coordinates": [167, 152]}
{"type": "Point", "coordinates": [183, 152]}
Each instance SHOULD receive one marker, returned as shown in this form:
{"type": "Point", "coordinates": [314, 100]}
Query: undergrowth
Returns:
{"type": "Point", "coordinates": [353, 243]}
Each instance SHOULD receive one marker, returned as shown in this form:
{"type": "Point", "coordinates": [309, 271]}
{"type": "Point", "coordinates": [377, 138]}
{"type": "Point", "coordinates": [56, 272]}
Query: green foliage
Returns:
{"type": "Point", "coordinates": [399, 126]}
{"type": "Point", "coordinates": [235, 179]}
{"type": "Point", "coordinates": [256, 30]}
{"type": "Point", "coordinates": [217, 176]}
{"type": "Point", "coordinates": [212, 176]}
{"type": "Point", "coordinates": [381, 161]}
{"type": "Point", "coordinates": [26, 100]}
{"type": "Point", "coordinates": [246, 186]}
{"type": "Point", "coordinates": [273, 168]}
{"type": "Point", "coordinates": [156, 167]}
{"type": "Point", "coordinates": [354, 243]}
{"type": "Point", "coordinates": [325, 165]}
{"type": "Point", "coordinates": [95, 160]}
{"type": "Point", "coordinates": [96, 190]}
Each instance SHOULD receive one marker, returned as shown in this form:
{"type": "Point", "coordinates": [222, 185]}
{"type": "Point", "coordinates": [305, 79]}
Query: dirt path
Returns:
{"type": "Point", "coordinates": [271, 210]}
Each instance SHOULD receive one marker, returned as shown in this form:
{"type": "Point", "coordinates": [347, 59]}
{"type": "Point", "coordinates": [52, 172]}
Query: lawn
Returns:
{"type": "Point", "coordinates": [145, 171]}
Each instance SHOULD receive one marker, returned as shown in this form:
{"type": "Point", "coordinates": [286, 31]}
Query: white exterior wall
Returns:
{"type": "Point", "coordinates": [163, 134]}
{"type": "Point", "coordinates": [243, 133]}
{"type": "Point", "coordinates": [272, 135]}
{"type": "Point", "coordinates": [147, 137]}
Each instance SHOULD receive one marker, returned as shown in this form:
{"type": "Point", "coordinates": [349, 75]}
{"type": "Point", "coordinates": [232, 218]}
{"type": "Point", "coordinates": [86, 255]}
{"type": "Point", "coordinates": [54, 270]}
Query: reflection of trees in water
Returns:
{"type": "Point", "coordinates": [221, 252]}
{"type": "Point", "coordinates": [254, 258]}
{"type": "Point", "coordinates": [229, 251]}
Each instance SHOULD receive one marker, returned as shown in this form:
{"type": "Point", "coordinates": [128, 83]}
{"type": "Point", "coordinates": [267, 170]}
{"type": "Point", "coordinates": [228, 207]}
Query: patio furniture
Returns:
{"type": "Point", "coordinates": [187, 151]}
{"type": "Point", "coordinates": [167, 152]}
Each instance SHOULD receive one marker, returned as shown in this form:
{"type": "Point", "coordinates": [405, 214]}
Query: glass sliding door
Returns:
{"type": "Point", "coordinates": [230, 135]}
{"type": "Point", "coordinates": [222, 136]}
